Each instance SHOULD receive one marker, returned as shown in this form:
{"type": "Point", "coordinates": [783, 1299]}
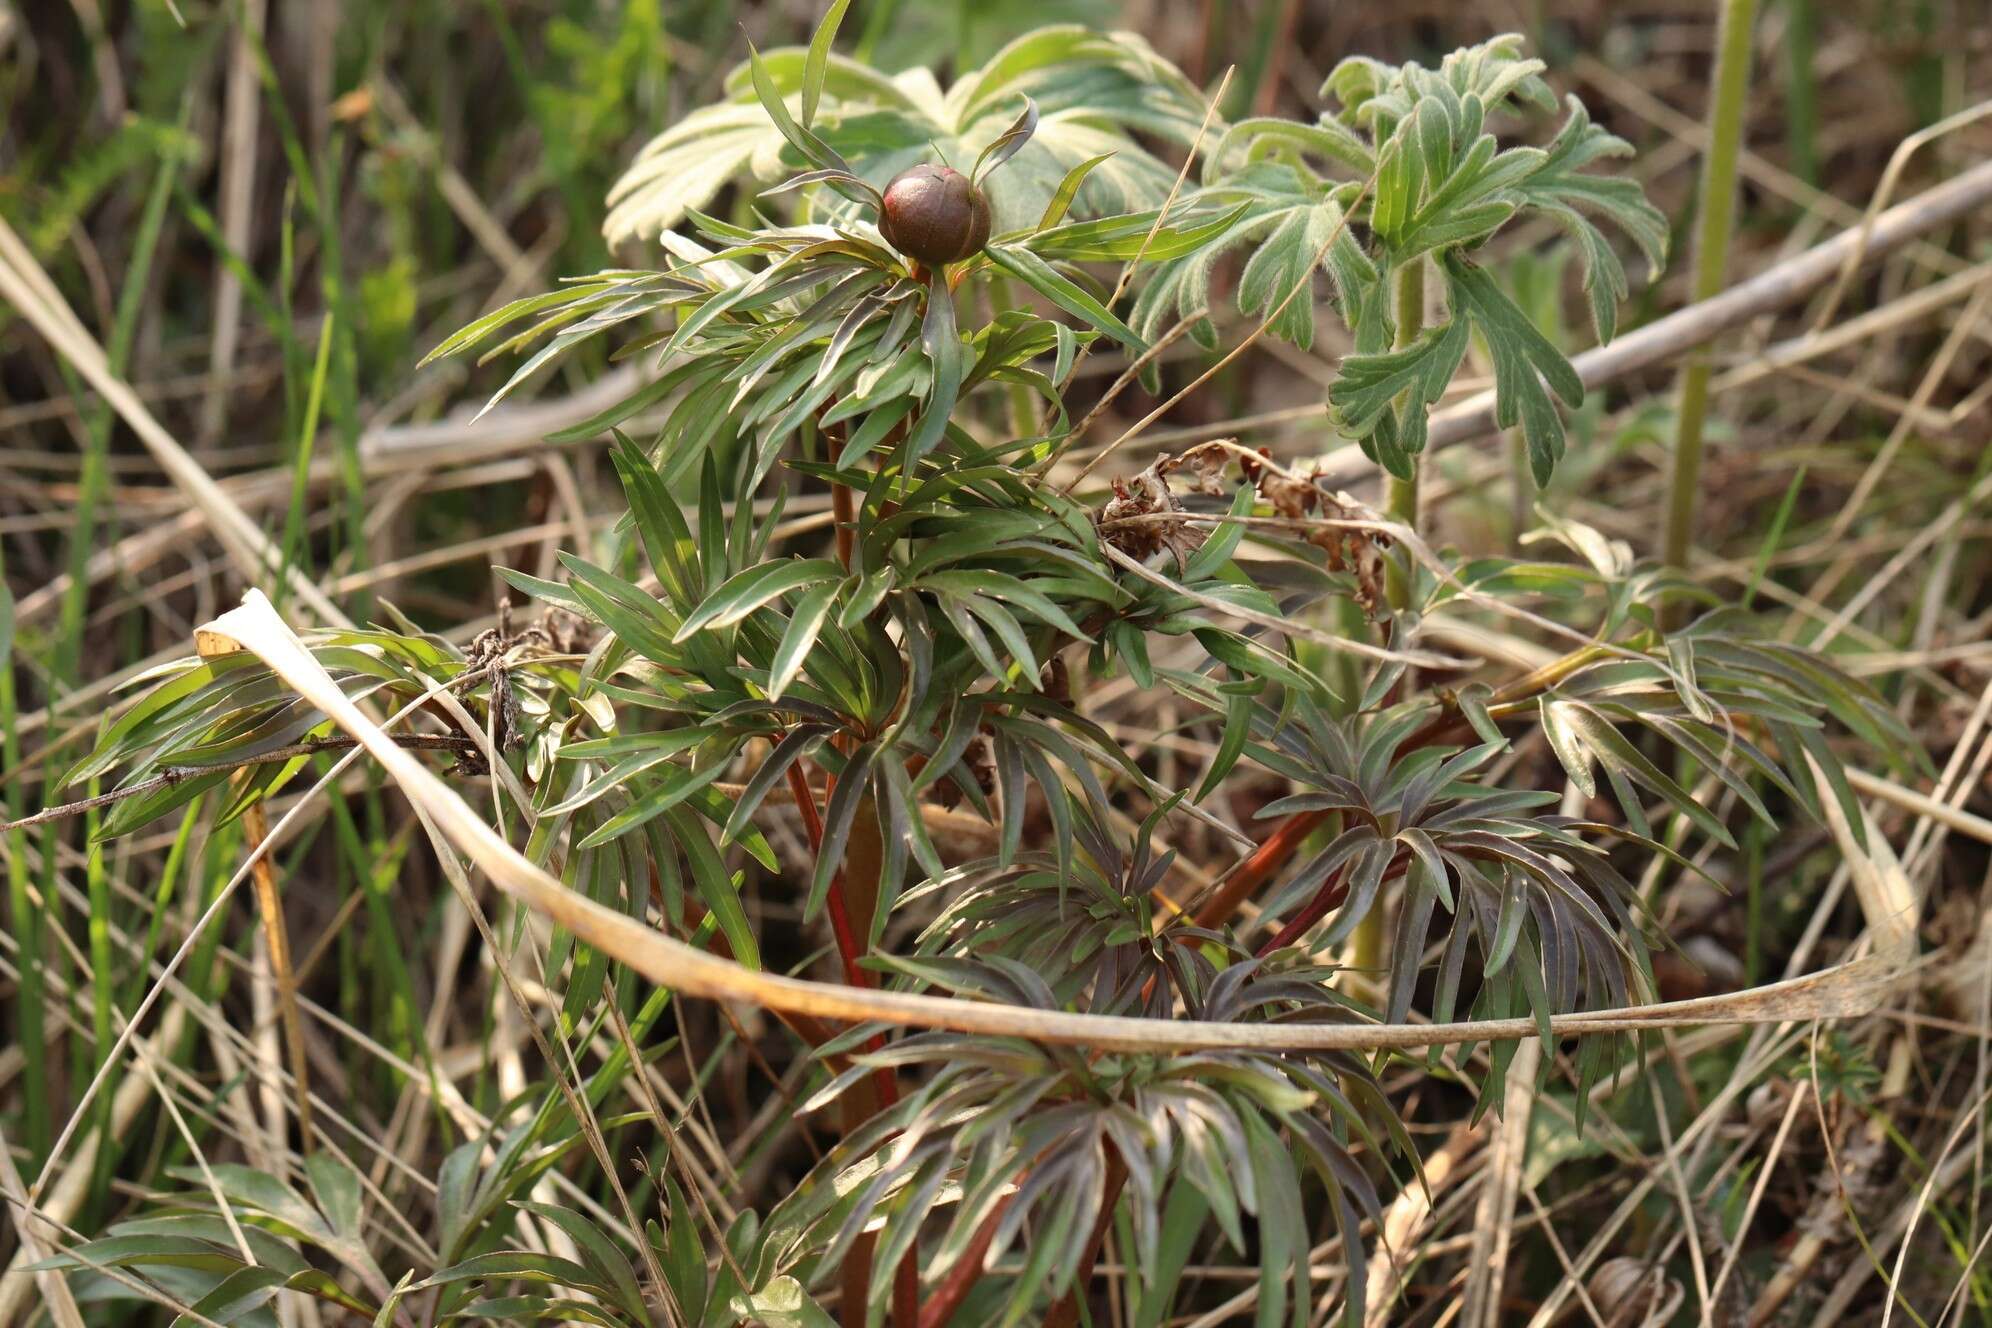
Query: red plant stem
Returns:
{"type": "Point", "coordinates": [1330, 895]}
{"type": "Point", "coordinates": [1065, 1314]}
{"type": "Point", "coordinates": [805, 801]}
{"type": "Point", "coordinates": [1332, 892]}
{"type": "Point", "coordinates": [1251, 873]}
{"type": "Point", "coordinates": [1256, 870]}
{"type": "Point", "coordinates": [844, 513]}
{"type": "Point", "coordinates": [954, 1288]}
{"type": "Point", "coordinates": [848, 948]}
{"type": "Point", "coordinates": [906, 1277]}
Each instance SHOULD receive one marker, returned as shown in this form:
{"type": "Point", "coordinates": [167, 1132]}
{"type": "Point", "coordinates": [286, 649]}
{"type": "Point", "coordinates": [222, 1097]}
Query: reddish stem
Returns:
{"type": "Point", "coordinates": [844, 513]}
{"type": "Point", "coordinates": [1329, 896]}
{"type": "Point", "coordinates": [906, 1277]}
{"type": "Point", "coordinates": [848, 948]}
{"type": "Point", "coordinates": [1256, 870]}
{"type": "Point", "coordinates": [1065, 1314]}
{"type": "Point", "coordinates": [806, 802]}
{"type": "Point", "coordinates": [1332, 892]}
{"type": "Point", "coordinates": [954, 1288]}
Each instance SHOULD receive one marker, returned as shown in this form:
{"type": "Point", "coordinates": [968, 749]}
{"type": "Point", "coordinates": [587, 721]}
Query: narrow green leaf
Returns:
{"type": "Point", "coordinates": [942, 342]}
{"type": "Point", "coordinates": [675, 787]}
{"type": "Point", "coordinates": [813, 149]}
{"type": "Point", "coordinates": [1005, 145]}
{"type": "Point", "coordinates": [818, 59]}
{"type": "Point", "coordinates": [1569, 748]}
{"type": "Point", "coordinates": [740, 595]}
{"type": "Point", "coordinates": [717, 887]}
{"type": "Point", "coordinates": [1068, 189]}
{"type": "Point", "coordinates": [800, 636]}
{"type": "Point", "coordinates": [1041, 277]}
{"type": "Point", "coordinates": [837, 819]}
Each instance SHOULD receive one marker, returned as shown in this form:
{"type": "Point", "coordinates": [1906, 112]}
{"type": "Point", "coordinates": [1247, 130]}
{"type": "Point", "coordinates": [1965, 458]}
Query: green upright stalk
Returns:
{"type": "Point", "coordinates": [1400, 504]}
{"type": "Point", "coordinates": [23, 914]}
{"type": "Point", "coordinates": [94, 478]}
{"type": "Point", "coordinates": [103, 984]}
{"type": "Point", "coordinates": [1521, 489]}
{"type": "Point", "coordinates": [1801, 44]}
{"type": "Point", "coordinates": [1401, 496]}
{"type": "Point", "coordinates": [294, 519]}
{"type": "Point", "coordinates": [1400, 500]}
{"type": "Point", "coordinates": [1714, 225]}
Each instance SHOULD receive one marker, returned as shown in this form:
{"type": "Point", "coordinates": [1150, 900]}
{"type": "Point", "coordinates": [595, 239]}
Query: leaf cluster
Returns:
{"type": "Point", "coordinates": [1095, 91]}
{"type": "Point", "coordinates": [1406, 171]}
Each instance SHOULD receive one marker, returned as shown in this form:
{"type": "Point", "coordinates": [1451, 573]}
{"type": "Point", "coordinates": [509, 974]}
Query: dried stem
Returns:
{"type": "Point", "coordinates": [276, 935]}
{"type": "Point", "coordinates": [1845, 990]}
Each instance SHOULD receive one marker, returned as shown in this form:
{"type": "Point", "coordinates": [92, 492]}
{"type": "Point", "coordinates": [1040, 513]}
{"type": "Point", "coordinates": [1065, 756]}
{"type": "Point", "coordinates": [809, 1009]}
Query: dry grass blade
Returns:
{"type": "Point", "coordinates": [1871, 220]}
{"type": "Point", "coordinates": [1409, 1216]}
{"type": "Point", "coordinates": [270, 908]}
{"type": "Point", "coordinates": [1873, 586]}
{"type": "Point", "coordinates": [1788, 355]}
{"type": "Point", "coordinates": [60, 1202]}
{"type": "Point", "coordinates": [1850, 989]}
{"type": "Point", "coordinates": [24, 285]}
{"type": "Point", "coordinates": [1494, 1217]}
{"type": "Point", "coordinates": [57, 1298]}
{"type": "Point", "coordinates": [238, 193]}
{"type": "Point", "coordinates": [1966, 327]}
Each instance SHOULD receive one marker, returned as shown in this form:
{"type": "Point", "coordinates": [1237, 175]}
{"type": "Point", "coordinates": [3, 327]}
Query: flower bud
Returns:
{"type": "Point", "coordinates": [935, 215]}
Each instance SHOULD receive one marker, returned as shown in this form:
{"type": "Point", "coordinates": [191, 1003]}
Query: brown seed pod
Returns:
{"type": "Point", "coordinates": [935, 215]}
